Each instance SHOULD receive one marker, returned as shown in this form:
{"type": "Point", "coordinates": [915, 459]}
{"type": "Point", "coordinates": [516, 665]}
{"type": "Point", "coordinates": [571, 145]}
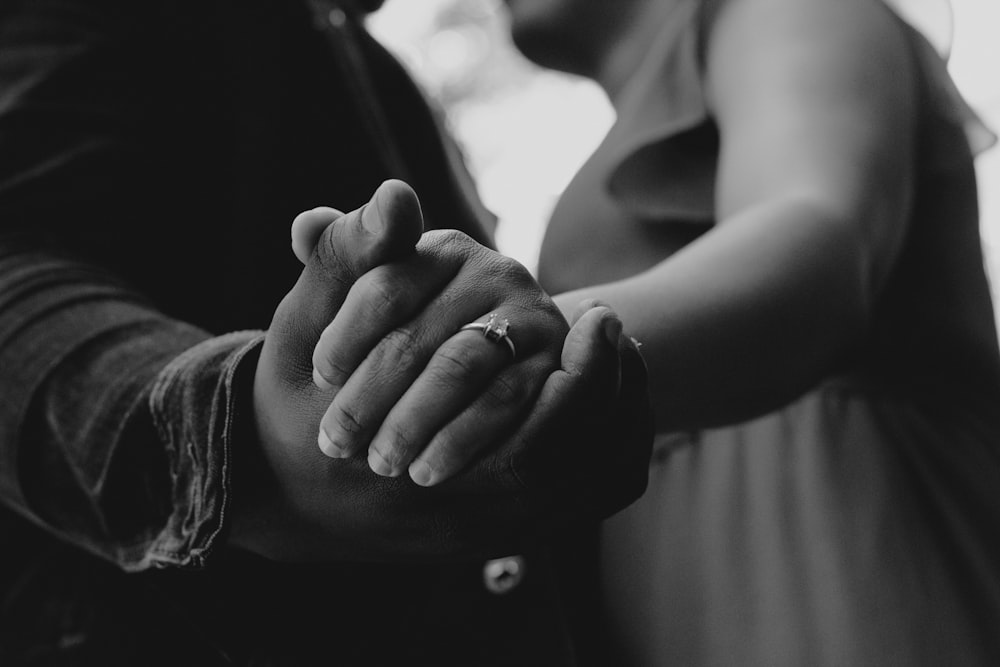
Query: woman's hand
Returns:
{"type": "Point", "coordinates": [577, 444]}
{"type": "Point", "coordinates": [406, 382]}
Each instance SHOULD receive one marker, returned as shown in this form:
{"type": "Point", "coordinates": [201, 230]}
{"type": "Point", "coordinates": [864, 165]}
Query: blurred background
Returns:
{"type": "Point", "coordinates": [525, 131]}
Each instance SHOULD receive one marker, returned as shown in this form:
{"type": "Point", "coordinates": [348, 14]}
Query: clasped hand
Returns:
{"type": "Point", "coordinates": [366, 368]}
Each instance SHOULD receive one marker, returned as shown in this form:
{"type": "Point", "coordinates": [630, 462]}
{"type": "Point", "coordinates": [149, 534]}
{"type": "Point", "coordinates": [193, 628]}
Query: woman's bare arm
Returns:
{"type": "Point", "coordinates": [814, 102]}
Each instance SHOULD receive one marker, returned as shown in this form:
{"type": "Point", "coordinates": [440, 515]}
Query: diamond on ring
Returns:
{"type": "Point", "coordinates": [495, 330]}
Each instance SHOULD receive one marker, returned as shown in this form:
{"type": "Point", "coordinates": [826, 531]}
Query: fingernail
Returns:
{"type": "Point", "coordinates": [330, 448]}
{"type": "Point", "coordinates": [612, 330]}
{"type": "Point", "coordinates": [421, 473]}
{"type": "Point", "coordinates": [371, 214]}
{"type": "Point", "coordinates": [379, 465]}
{"type": "Point", "coordinates": [321, 381]}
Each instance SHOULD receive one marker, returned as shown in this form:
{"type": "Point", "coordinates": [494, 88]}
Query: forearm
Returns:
{"type": "Point", "coordinates": [88, 368]}
{"type": "Point", "coordinates": [748, 316]}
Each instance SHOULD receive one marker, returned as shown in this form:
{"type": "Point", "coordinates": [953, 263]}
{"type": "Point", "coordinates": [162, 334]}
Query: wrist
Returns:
{"type": "Point", "coordinates": [253, 517]}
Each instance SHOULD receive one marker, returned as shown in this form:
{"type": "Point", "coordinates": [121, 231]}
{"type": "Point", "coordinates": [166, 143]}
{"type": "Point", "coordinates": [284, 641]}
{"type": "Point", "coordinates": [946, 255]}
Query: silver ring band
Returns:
{"type": "Point", "coordinates": [494, 329]}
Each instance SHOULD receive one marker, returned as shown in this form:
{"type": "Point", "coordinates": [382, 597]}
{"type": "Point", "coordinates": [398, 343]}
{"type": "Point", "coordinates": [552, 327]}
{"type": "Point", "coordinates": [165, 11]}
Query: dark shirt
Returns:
{"type": "Point", "coordinates": [152, 156]}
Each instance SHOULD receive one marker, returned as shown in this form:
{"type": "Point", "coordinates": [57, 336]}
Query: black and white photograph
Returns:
{"type": "Point", "coordinates": [499, 333]}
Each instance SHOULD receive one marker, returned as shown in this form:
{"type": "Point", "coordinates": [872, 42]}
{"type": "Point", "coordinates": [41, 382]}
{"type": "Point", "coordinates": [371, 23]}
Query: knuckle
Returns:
{"type": "Point", "coordinates": [347, 418]}
{"type": "Point", "coordinates": [449, 243]}
{"type": "Point", "coordinates": [448, 237]}
{"type": "Point", "coordinates": [399, 445]}
{"type": "Point", "coordinates": [331, 258]}
{"type": "Point", "coordinates": [456, 363]}
{"type": "Point", "coordinates": [399, 349]}
{"type": "Point", "coordinates": [511, 272]}
{"type": "Point", "coordinates": [383, 294]}
{"type": "Point", "coordinates": [545, 313]}
{"type": "Point", "coordinates": [521, 296]}
{"type": "Point", "coordinates": [515, 270]}
{"type": "Point", "coordinates": [326, 359]}
{"type": "Point", "coordinates": [504, 392]}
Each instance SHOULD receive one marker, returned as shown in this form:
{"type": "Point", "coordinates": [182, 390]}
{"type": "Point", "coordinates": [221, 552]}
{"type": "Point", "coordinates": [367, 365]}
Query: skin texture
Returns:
{"type": "Point", "coordinates": [403, 322]}
{"type": "Point", "coordinates": [543, 462]}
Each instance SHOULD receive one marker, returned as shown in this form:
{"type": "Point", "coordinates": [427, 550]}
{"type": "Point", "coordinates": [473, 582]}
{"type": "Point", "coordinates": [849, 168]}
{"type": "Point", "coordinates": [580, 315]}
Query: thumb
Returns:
{"type": "Point", "coordinates": [587, 382]}
{"type": "Point", "coordinates": [595, 421]}
{"type": "Point", "coordinates": [384, 230]}
{"type": "Point", "coordinates": [591, 349]}
{"type": "Point", "coordinates": [308, 226]}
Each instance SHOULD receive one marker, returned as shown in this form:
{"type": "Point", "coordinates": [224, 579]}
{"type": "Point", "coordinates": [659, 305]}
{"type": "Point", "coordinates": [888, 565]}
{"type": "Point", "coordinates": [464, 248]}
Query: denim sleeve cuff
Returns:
{"type": "Point", "coordinates": [193, 406]}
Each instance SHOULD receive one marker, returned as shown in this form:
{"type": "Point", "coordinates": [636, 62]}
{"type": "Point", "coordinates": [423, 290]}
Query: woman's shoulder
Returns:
{"type": "Point", "coordinates": [898, 40]}
{"type": "Point", "coordinates": [847, 32]}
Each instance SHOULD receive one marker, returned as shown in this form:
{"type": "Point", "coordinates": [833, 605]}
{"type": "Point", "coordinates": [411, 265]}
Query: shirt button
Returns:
{"type": "Point", "coordinates": [502, 575]}
{"type": "Point", "coordinates": [337, 18]}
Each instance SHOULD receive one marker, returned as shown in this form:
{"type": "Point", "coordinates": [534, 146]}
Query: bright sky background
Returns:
{"type": "Point", "coordinates": [525, 142]}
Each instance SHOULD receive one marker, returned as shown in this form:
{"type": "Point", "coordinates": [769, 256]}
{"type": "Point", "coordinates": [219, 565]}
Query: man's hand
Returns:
{"type": "Point", "coordinates": [301, 504]}
{"type": "Point", "coordinates": [291, 501]}
{"type": "Point", "coordinates": [412, 390]}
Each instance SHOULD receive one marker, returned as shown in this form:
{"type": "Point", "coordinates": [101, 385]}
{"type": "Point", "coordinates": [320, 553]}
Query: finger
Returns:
{"type": "Point", "coordinates": [479, 426]}
{"type": "Point", "coordinates": [469, 367]}
{"type": "Point", "coordinates": [582, 388]}
{"type": "Point", "coordinates": [620, 433]}
{"type": "Point", "coordinates": [429, 345]}
{"type": "Point", "coordinates": [589, 356]}
{"type": "Point", "coordinates": [583, 307]}
{"type": "Point", "coordinates": [591, 350]}
{"type": "Point", "coordinates": [393, 320]}
{"type": "Point", "coordinates": [377, 365]}
{"type": "Point", "coordinates": [390, 296]}
{"type": "Point", "coordinates": [308, 226]}
{"type": "Point", "coordinates": [373, 351]}
{"type": "Point", "coordinates": [469, 372]}
{"type": "Point", "coordinates": [385, 229]}
{"type": "Point", "coordinates": [459, 370]}
{"type": "Point", "coordinates": [385, 298]}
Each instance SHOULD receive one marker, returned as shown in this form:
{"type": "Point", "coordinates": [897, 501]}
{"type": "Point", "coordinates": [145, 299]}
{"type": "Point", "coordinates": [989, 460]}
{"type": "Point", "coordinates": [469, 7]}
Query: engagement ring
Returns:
{"type": "Point", "coordinates": [495, 330]}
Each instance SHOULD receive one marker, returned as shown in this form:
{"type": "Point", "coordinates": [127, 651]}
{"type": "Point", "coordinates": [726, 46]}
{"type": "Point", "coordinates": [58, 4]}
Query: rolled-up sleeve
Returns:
{"type": "Point", "coordinates": [115, 420]}
{"type": "Point", "coordinates": [195, 410]}
{"type": "Point", "coordinates": [113, 414]}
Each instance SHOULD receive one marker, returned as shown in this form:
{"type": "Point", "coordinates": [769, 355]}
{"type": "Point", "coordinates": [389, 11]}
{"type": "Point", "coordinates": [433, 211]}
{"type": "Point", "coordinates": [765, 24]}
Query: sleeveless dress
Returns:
{"type": "Point", "coordinates": [859, 525]}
